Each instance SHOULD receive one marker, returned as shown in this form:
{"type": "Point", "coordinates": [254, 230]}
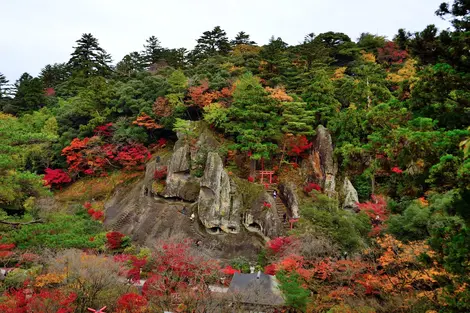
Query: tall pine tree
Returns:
{"type": "Point", "coordinates": [89, 59]}
{"type": "Point", "coordinates": [242, 38]}
{"type": "Point", "coordinates": [253, 118]}
{"type": "Point", "coordinates": [153, 51]}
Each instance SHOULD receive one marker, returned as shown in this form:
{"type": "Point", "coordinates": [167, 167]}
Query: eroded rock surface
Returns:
{"type": "Point", "coordinates": [350, 195]}
{"type": "Point", "coordinates": [289, 194]}
{"type": "Point", "coordinates": [322, 161]}
{"type": "Point", "coordinates": [219, 205]}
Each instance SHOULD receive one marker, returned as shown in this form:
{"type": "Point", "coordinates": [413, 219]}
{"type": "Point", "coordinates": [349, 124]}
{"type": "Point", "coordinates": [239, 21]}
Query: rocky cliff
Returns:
{"type": "Point", "coordinates": [225, 214]}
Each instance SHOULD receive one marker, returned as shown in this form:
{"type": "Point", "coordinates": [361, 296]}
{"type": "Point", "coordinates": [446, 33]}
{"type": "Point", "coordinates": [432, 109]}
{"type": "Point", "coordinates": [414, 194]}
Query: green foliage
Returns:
{"type": "Point", "coordinates": [253, 118]}
{"type": "Point", "coordinates": [295, 295]}
{"type": "Point", "coordinates": [322, 216]}
{"type": "Point", "coordinates": [60, 231]}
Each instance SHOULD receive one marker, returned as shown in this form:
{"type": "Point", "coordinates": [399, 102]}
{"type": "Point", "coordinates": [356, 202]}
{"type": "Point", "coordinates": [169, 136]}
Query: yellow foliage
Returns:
{"type": "Point", "coordinates": [407, 72]}
{"type": "Point", "coordinates": [368, 57]}
{"type": "Point", "coordinates": [241, 50]}
{"type": "Point", "coordinates": [339, 73]}
{"type": "Point", "coordinates": [49, 279]}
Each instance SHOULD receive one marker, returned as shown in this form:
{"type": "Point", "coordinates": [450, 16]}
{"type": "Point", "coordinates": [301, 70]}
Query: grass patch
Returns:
{"type": "Point", "coordinates": [59, 232]}
{"type": "Point", "coordinates": [98, 188]}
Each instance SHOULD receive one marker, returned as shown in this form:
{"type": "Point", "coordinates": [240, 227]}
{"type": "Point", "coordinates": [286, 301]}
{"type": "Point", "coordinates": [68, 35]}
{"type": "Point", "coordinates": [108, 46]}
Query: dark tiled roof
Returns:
{"type": "Point", "coordinates": [257, 288]}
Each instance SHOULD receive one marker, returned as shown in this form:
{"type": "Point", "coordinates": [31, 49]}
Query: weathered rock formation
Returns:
{"type": "Point", "coordinates": [322, 161]}
{"type": "Point", "coordinates": [350, 195]}
{"type": "Point", "coordinates": [288, 193]}
{"type": "Point", "coordinates": [219, 204]}
{"type": "Point", "coordinates": [198, 181]}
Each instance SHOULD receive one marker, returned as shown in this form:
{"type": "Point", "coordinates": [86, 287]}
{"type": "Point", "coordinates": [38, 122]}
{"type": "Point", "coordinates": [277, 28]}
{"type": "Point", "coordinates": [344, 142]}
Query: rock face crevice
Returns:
{"type": "Point", "coordinates": [288, 193]}
{"type": "Point", "coordinates": [349, 193]}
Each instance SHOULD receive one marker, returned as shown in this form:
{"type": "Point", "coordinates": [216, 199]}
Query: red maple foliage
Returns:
{"type": "Point", "coordinates": [114, 240]}
{"type": "Point", "coordinates": [266, 205]}
{"type": "Point", "coordinates": [104, 130]}
{"type": "Point", "coordinates": [160, 173]}
{"type": "Point", "coordinates": [228, 270]}
{"type": "Point", "coordinates": [26, 300]}
{"type": "Point", "coordinates": [280, 244]}
{"type": "Point", "coordinates": [251, 179]}
{"type": "Point", "coordinates": [391, 54]}
{"type": "Point", "coordinates": [311, 186]}
{"type": "Point", "coordinates": [397, 170]}
{"type": "Point", "coordinates": [297, 145]}
{"type": "Point", "coordinates": [131, 303]}
{"type": "Point", "coordinates": [57, 177]}
{"type": "Point", "coordinates": [133, 157]}
{"type": "Point", "coordinates": [377, 212]}
{"type": "Point", "coordinates": [176, 270]}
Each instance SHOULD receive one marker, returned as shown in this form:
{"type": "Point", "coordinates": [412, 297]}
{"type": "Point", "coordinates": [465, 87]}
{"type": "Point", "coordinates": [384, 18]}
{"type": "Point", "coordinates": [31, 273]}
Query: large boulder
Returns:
{"type": "Point", "coordinates": [289, 194]}
{"type": "Point", "coordinates": [351, 198]}
{"type": "Point", "coordinates": [179, 182]}
{"type": "Point", "coordinates": [261, 220]}
{"type": "Point", "coordinates": [219, 203]}
{"type": "Point", "coordinates": [322, 161]}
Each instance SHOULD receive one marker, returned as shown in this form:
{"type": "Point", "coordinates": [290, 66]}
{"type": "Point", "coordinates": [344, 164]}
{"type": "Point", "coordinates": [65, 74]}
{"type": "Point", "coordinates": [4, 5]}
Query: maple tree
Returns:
{"type": "Point", "coordinates": [391, 54]}
{"type": "Point", "coordinates": [56, 178]}
{"type": "Point", "coordinates": [144, 120]}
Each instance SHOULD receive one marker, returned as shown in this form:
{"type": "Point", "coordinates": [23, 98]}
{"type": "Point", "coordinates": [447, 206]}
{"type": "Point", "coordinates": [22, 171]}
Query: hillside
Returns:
{"type": "Point", "coordinates": [339, 168]}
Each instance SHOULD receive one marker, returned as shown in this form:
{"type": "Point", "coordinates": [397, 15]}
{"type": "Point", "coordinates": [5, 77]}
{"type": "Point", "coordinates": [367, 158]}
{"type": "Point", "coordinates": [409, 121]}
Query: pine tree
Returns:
{"type": "Point", "coordinates": [30, 94]}
{"type": "Point", "coordinates": [242, 38]}
{"type": "Point", "coordinates": [320, 97]}
{"type": "Point", "coordinates": [212, 42]}
{"type": "Point", "coordinates": [3, 83]}
{"type": "Point", "coordinates": [131, 63]}
{"type": "Point", "coordinates": [89, 59]}
{"type": "Point", "coordinates": [153, 51]}
{"type": "Point", "coordinates": [253, 118]}
{"type": "Point", "coordinates": [297, 119]}
{"type": "Point", "coordinates": [52, 75]}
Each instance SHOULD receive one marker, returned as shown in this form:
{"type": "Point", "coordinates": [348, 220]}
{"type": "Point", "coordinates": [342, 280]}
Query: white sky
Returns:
{"type": "Point", "coordinates": [40, 32]}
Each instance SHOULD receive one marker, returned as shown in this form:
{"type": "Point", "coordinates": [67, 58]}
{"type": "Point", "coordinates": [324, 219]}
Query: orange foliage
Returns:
{"type": "Point", "coordinates": [279, 93]}
{"type": "Point", "coordinates": [146, 121]}
{"type": "Point", "coordinates": [162, 108]}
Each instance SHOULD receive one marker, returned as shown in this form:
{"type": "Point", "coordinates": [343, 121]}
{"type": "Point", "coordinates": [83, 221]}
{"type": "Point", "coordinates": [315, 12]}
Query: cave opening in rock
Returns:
{"type": "Point", "coordinates": [214, 230]}
{"type": "Point", "coordinates": [232, 229]}
{"type": "Point", "coordinates": [255, 225]}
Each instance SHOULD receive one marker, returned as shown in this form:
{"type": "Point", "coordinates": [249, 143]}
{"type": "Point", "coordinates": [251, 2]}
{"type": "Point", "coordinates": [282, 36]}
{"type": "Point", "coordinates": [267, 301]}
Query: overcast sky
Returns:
{"type": "Point", "coordinates": [39, 32]}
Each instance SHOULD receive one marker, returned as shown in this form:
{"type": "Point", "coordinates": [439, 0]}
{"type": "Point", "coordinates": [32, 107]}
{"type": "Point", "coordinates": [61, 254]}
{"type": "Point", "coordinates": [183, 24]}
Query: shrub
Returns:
{"type": "Point", "coordinates": [56, 178]}
{"type": "Point", "coordinates": [310, 187]}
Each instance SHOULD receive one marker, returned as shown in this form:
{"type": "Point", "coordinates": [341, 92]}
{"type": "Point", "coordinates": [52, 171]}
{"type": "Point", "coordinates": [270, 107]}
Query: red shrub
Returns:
{"type": "Point", "coordinates": [160, 173]}
{"type": "Point", "coordinates": [397, 170]}
{"type": "Point", "coordinates": [270, 269]}
{"type": "Point", "coordinates": [377, 212]}
{"type": "Point", "coordinates": [251, 179]}
{"type": "Point", "coordinates": [6, 254]}
{"type": "Point", "coordinates": [131, 303]}
{"type": "Point", "coordinates": [311, 186]}
{"type": "Point", "coordinates": [297, 145]}
{"type": "Point", "coordinates": [279, 244]}
{"type": "Point", "coordinates": [161, 142]}
{"type": "Point", "coordinates": [266, 205]}
{"type": "Point", "coordinates": [391, 54]}
{"type": "Point", "coordinates": [7, 246]}
{"type": "Point", "coordinates": [104, 130]}
{"type": "Point", "coordinates": [56, 177]}
{"type": "Point", "coordinates": [114, 240]}
{"type": "Point", "coordinates": [228, 270]}
{"type": "Point", "coordinates": [133, 157]}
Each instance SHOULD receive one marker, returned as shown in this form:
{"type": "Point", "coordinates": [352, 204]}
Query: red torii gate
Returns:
{"type": "Point", "coordinates": [267, 173]}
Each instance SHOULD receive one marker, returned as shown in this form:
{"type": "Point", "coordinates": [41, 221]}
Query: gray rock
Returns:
{"type": "Point", "coordinates": [263, 221]}
{"type": "Point", "coordinates": [289, 194]}
{"type": "Point", "coordinates": [322, 161]}
{"type": "Point", "coordinates": [219, 204]}
{"type": "Point", "coordinates": [350, 195]}
{"type": "Point", "coordinates": [179, 182]}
